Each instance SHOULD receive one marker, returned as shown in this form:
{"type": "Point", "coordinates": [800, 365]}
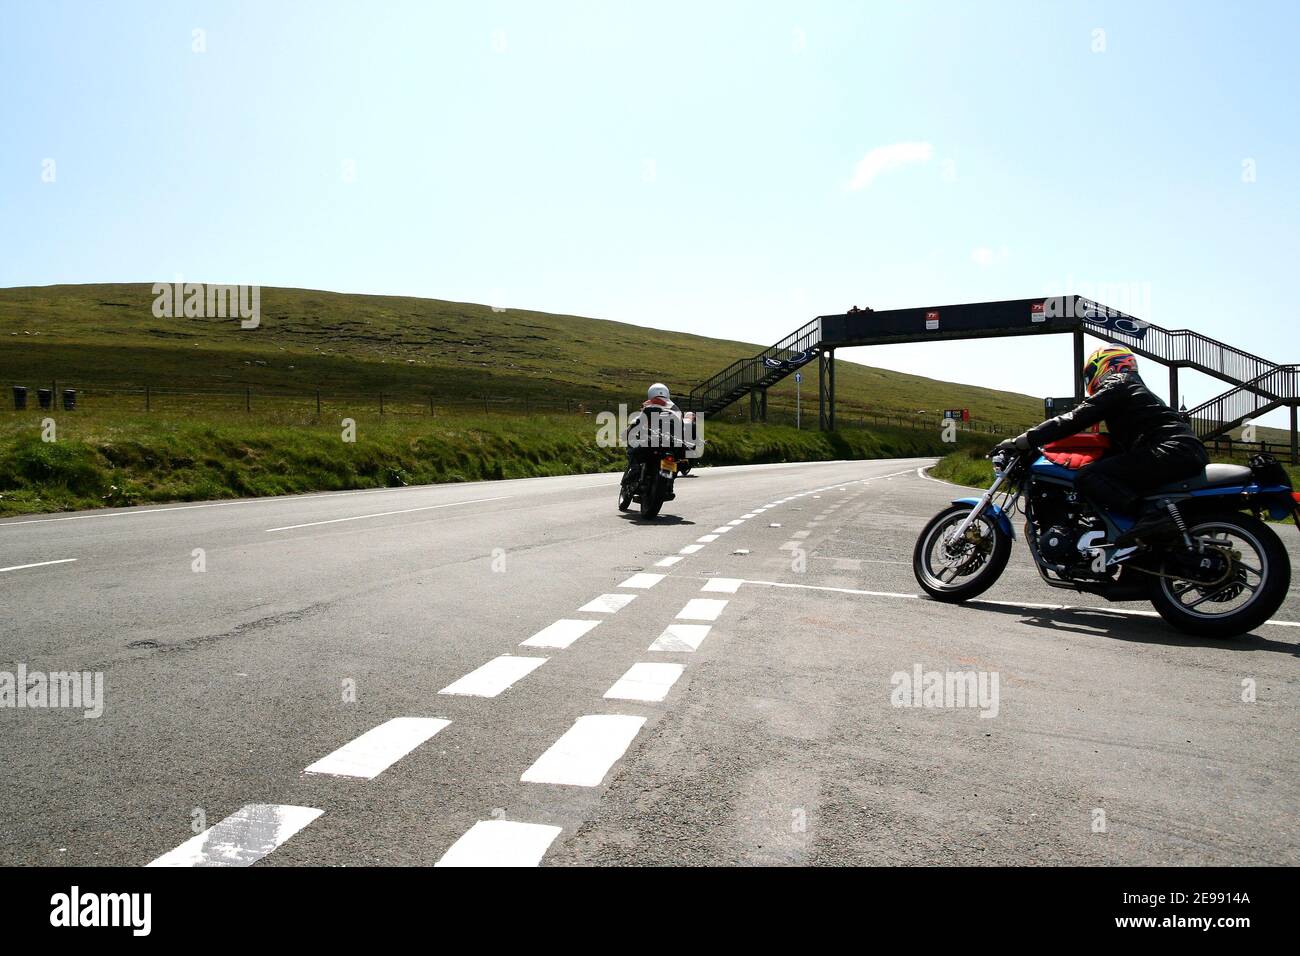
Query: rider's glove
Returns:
{"type": "Point", "coordinates": [1011, 446]}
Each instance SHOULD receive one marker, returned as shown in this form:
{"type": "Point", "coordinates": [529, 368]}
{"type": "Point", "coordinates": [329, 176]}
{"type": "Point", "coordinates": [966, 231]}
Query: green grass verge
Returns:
{"type": "Point", "coordinates": [969, 467]}
{"type": "Point", "coordinates": [118, 458]}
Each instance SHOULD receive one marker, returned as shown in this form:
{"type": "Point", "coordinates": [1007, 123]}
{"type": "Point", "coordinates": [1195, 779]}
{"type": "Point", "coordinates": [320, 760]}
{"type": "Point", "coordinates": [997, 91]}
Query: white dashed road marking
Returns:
{"type": "Point", "coordinates": [723, 585]}
{"type": "Point", "coordinates": [560, 634]}
{"type": "Point", "coordinates": [643, 580]}
{"type": "Point", "coordinates": [583, 756]}
{"type": "Point", "coordinates": [501, 843]}
{"type": "Point", "coordinates": [668, 562]}
{"type": "Point", "coordinates": [242, 838]}
{"type": "Point", "coordinates": [378, 748]}
{"type": "Point", "coordinates": [691, 548]}
{"type": "Point", "coordinates": [608, 603]}
{"type": "Point", "coordinates": [645, 682]}
{"type": "Point", "coordinates": [678, 638]}
{"type": "Point", "coordinates": [494, 677]}
{"type": "Point", "coordinates": [701, 609]}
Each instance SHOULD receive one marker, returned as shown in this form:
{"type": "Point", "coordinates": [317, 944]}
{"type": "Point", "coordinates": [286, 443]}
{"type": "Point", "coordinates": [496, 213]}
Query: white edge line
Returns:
{"type": "Point", "coordinates": [385, 514]}
{"type": "Point", "coordinates": [282, 499]}
{"type": "Point", "coordinates": [1076, 608]}
{"type": "Point", "coordinates": [38, 564]}
{"type": "Point", "coordinates": [819, 587]}
{"type": "Point", "coordinates": [924, 472]}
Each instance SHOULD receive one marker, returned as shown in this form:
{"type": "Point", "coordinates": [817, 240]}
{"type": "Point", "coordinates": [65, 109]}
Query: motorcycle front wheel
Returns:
{"type": "Point", "coordinates": [957, 570]}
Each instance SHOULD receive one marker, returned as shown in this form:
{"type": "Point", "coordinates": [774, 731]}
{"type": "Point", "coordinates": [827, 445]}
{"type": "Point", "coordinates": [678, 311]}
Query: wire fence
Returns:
{"type": "Point", "coordinates": [254, 399]}
{"type": "Point", "coordinates": [853, 418]}
{"type": "Point", "coordinates": [261, 401]}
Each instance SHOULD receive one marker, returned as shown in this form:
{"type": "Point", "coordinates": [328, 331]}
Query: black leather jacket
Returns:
{"type": "Point", "coordinates": [1135, 417]}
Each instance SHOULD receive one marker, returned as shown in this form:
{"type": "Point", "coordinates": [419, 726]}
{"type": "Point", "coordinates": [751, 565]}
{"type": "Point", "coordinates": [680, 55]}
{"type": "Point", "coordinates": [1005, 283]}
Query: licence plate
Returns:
{"type": "Point", "coordinates": [668, 465]}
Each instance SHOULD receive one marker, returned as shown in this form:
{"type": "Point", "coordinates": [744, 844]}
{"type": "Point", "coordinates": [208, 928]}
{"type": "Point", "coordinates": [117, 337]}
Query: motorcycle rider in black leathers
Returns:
{"type": "Point", "coordinates": [1152, 445]}
{"type": "Point", "coordinates": [658, 402]}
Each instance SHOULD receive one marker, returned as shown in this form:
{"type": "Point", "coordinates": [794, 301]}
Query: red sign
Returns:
{"type": "Point", "coordinates": [1037, 313]}
{"type": "Point", "coordinates": [931, 321]}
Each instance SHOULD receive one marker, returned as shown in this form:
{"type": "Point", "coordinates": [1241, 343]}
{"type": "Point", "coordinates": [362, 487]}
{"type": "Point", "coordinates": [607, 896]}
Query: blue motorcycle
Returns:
{"type": "Point", "coordinates": [1219, 572]}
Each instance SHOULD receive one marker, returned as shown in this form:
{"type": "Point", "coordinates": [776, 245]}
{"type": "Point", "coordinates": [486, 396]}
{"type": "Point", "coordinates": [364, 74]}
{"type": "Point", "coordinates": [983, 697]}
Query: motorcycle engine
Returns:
{"type": "Point", "coordinates": [1058, 545]}
{"type": "Point", "coordinates": [1067, 523]}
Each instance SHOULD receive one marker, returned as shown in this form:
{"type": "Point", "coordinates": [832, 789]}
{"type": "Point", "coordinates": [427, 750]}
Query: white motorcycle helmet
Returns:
{"type": "Point", "coordinates": [658, 390]}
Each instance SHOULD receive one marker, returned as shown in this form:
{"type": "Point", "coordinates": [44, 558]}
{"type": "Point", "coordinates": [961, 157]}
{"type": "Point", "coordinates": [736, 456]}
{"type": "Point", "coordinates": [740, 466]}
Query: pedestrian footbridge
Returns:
{"type": "Point", "coordinates": [1256, 385]}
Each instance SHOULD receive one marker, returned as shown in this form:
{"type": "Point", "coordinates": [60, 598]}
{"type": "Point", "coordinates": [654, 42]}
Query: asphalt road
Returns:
{"type": "Point", "coordinates": [343, 680]}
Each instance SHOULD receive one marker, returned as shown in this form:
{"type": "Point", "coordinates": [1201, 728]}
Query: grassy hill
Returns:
{"type": "Point", "coordinates": [420, 353]}
{"type": "Point", "coordinates": [359, 345]}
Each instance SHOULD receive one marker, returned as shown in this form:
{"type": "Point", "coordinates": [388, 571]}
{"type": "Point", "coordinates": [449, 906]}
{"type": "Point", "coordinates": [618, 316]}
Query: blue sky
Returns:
{"type": "Point", "coordinates": [690, 166]}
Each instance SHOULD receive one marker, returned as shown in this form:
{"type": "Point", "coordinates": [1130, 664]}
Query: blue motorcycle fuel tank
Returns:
{"type": "Point", "coordinates": [1049, 469]}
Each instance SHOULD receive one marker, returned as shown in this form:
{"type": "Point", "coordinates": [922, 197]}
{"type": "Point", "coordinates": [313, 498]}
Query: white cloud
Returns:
{"type": "Point", "coordinates": [884, 158]}
{"type": "Point", "coordinates": [984, 256]}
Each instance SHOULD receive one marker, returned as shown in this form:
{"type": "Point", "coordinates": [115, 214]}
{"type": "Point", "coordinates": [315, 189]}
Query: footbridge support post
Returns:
{"type": "Point", "coordinates": [1295, 437]}
{"type": "Point", "coordinates": [826, 390]}
{"type": "Point", "coordinates": [1173, 387]}
{"type": "Point", "coordinates": [1078, 365]}
{"type": "Point", "coordinates": [758, 405]}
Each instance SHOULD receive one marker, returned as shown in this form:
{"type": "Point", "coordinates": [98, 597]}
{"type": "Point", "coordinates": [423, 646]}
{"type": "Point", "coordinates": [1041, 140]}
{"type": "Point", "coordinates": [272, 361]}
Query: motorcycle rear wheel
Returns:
{"type": "Point", "coordinates": [652, 497]}
{"type": "Point", "coordinates": [1261, 575]}
{"type": "Point", "coordinates": [975, 566]}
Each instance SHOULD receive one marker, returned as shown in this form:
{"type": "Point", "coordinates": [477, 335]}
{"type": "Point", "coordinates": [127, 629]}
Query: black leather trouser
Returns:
{"type": "Point", "coordinates": [1119, 482]}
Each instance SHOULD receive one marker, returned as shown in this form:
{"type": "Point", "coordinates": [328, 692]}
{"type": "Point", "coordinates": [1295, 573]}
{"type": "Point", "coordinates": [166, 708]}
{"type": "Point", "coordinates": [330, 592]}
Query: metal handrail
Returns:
{"type": "Point", "coordinates": [742, 374]}
{"type": "Point", "coordinates": [1186, 347]}
{"type": "Point", "coordinates": [1279, 386]}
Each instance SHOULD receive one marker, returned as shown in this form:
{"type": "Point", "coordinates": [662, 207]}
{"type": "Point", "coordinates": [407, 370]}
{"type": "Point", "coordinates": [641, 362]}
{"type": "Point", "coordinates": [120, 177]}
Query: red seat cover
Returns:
{"type": "Point", "coordinates": [1077, 450]}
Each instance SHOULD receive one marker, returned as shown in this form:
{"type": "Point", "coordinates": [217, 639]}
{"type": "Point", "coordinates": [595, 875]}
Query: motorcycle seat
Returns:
{"type": "Point", "coordinates": [1214, 476]}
